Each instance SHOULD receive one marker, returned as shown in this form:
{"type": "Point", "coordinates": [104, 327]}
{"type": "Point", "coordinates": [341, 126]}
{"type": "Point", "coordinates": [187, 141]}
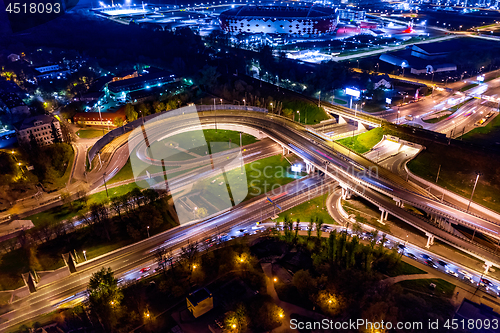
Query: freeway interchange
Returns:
{"type": "Point", "coordinates": [354, 173]}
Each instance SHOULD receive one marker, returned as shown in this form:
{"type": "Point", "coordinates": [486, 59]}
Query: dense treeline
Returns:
{"type": "Point", "coordinates": [341, 277]}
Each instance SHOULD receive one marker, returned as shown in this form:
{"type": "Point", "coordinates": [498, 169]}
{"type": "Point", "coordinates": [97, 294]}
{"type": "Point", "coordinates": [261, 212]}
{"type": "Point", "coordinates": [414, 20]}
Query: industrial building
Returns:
{"type": "Point", "coordinates": [119, 90]}
{"type": "Point", "coordinates": [292, 20]}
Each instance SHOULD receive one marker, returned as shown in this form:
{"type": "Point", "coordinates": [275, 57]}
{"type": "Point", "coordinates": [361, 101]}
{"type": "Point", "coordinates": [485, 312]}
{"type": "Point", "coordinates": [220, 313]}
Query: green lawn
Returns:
{"type": "Point", "coordinates": [309, 113]}
{"type": "Point", "coordinates": [203, 143]}
{"type": "Point", "coordinates": [261, 176]}
{"type": "Point", "coordinates": [126, 172]}
{"type": "Point", "coordinates": [443, 288]}
{"type": "Point", "coordinates": [403, 268]}
{"type": "Point", "coordinates": [62, 181]}
{"type": "Point", "coordinates": [363, 142]}
{"type": "Point", "coordinates": [453, 109]}
{"type": "Point", "coordinates": [339, 101]}
{"type": "Point", "coordinates": [309, 210]}
{"type": "Point", "coordinates": [469, 86]}
{"type": "Point", "coordinates": [56, 214]}
{"type": "Point", "coordinates": [486, 135]}
{"type": "Point", "coordinates": [90, 133]}
{"type": "Point", "coordinates": [458, 173]}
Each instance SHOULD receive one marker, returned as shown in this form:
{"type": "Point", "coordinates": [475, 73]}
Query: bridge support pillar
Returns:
{"type": "Point", "coordinates": [286, 151]}
{"type": "Point", "coordinates": [383, 216]}
{"type": "Point", "coordinates": [362, 126]}
{"type": "Point", "coordinates": [309, 168]}
{"type": "Point", "coordinates": [346, 193]}
{"type": "Point", "coordinates": [487, 266]}
{"type": "Point", "coordinates": [342, 120]}
{"type": "Point", "coordinates": [430, 240]}
{"type": "Point", "coordinates": [399, 203]}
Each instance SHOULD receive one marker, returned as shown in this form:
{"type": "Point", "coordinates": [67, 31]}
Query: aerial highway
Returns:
{"type": "Point", "coordinates": [348, 169]}
{"type": "Point", "coordinates": [140, 254]}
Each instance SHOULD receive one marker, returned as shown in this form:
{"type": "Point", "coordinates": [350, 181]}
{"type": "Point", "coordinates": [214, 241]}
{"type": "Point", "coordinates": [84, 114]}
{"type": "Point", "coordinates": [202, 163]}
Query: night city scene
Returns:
{"type": "Point", "coordinates": [248, 166]}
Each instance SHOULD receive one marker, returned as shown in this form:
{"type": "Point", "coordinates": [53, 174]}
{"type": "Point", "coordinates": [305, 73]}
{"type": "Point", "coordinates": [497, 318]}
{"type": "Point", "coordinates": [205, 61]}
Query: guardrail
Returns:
{"type": "Point", "coordinates": [107, 138]}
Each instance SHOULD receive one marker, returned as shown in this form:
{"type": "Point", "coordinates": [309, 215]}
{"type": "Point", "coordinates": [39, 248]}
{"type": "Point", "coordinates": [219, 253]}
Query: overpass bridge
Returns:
{"type": "Point", "coordinates": [355, 174]}
{"type": "Point", "coordinates": [345, 114]}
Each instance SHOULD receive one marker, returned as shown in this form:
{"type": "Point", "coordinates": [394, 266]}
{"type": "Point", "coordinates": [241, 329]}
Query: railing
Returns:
{"type": "Point", "coordinates": [106, 139]}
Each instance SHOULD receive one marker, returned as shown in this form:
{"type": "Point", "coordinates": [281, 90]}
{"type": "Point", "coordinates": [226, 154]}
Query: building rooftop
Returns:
{"type": "Point", "coordinates": [279, 11]}
{"type": "Point", "coordinates": [198, 296]}
{"type": "Point", "coordinates": [471, 310]}
{"type": "Point", "coordinates": [123, 84]}
{"type": "Point", "coordinates": [441, 47]}
{"type": "Point", "coordinates": [11, 100]}
{"type": "Point", "coordinates": [30, 122]}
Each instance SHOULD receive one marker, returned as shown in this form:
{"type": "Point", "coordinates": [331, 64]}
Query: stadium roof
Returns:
{"type": "Point", "coordinates": [279, 11]}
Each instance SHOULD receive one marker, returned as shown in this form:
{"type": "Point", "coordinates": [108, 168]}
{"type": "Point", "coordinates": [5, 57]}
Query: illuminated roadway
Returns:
{"type": "Point", "coordinates": [341, 164]}
{"type": "Point", "coordinates": [124, 260]}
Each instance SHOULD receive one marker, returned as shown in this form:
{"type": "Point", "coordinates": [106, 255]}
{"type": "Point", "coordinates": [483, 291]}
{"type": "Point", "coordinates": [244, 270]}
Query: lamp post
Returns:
{"type": "Point", "coordinates": [272, 107]}
{"type": "Point", "coordinates": [244, 102]}
{"type": "Point", "coordinates": [105, 186]}
{"type": "Point", "coordinates": [473, 189]}
{"type": "Point", "coordinates": [142, 116]}
{"type": "Point", "coordinates": [194, 212]}
{"type": "Point", "coordinates": [399, 118]}
{"type": "Point", "coordinates": [147, 228]}
{"type": "Point", "coordinates": [299, 115]}
{"type": "Point", "coordinates": [85, 255]}
{"type": "Point", "coordinates": [100, 118]}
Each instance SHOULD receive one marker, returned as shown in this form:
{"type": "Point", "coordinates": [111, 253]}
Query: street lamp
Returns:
{"type": "Point", "coordinates": [142, 116]}
{"type": "Point", "coordinates": [399, 118]}
{"type": "Point", "coordinates": [299, 115]}
{"type": "Point", "coordinates": [85, 255]}
{"type": "Point", "coordinates": [220, 101]}
{"type": "Point", "coordinates": [244, 102]}
{"type": "Point", "coordinates": [147, 228]}
{"type": "Point", "coordinates": [473, 189]}
{"type": "Point", "coordinates": [194, 212]}
{"type": "Point", "coordinates": [272, 107]}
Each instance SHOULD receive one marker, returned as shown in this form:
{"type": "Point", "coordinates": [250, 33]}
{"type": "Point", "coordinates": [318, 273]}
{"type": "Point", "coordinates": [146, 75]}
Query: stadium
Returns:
{"type": "Point", "coordinates": [292, 20]}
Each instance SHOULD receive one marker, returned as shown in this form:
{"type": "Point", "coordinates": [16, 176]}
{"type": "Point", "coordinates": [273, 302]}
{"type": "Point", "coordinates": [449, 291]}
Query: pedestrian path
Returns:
{"type": "Point", "coordinates": [288, 308]}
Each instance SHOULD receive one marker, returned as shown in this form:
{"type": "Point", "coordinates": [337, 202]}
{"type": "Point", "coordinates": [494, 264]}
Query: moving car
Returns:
{"type": "Point", "coordinates": [412, 256]}
{"type": "Point", "coordinates": [452, 273]}
{"type": "Point", "coordinates": [442, 263]}
{"type": "Point", "coordinates": [145, 269]}
{"type": "Point", "coordinates": [431, 263]}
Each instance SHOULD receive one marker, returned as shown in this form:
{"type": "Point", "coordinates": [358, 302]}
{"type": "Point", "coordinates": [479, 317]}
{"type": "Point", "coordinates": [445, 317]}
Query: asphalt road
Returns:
{"type": "Point", "coordinates": [141, 254]}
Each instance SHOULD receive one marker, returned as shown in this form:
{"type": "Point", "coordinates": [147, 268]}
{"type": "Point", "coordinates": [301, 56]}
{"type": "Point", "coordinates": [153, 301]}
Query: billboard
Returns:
{"type": "Point", "coordinates": [352, 92]}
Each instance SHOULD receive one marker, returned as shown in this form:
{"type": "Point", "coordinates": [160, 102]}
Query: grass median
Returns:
{"type": "Point", "coordinates": [363, 142]}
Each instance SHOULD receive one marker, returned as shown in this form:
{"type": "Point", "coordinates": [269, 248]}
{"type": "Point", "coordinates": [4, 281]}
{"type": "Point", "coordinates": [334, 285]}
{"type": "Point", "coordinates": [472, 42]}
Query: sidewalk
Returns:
{"type": "Point", "coordinates": [288, 308]}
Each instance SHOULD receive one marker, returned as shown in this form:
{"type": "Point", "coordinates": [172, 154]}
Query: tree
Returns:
{"type": "Point", "coordinates": [201, 212]}
{"type": "Point", "coordinates": [297, 228]}
{"type": "Point", "coordinates": [104, 297]}
{"type": "Point", "coordinates": [304, 283]}
{"type": "Point", "coordinates": [130, 113]}
{"type": "Point", "coordinates": [310, 228]}
{"type": "Point", "coordinates": [319, 224]}
{"type": "Point", "coordinates": [118, 121]}
{"type": "Point", "coordinates": [208, 77]}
